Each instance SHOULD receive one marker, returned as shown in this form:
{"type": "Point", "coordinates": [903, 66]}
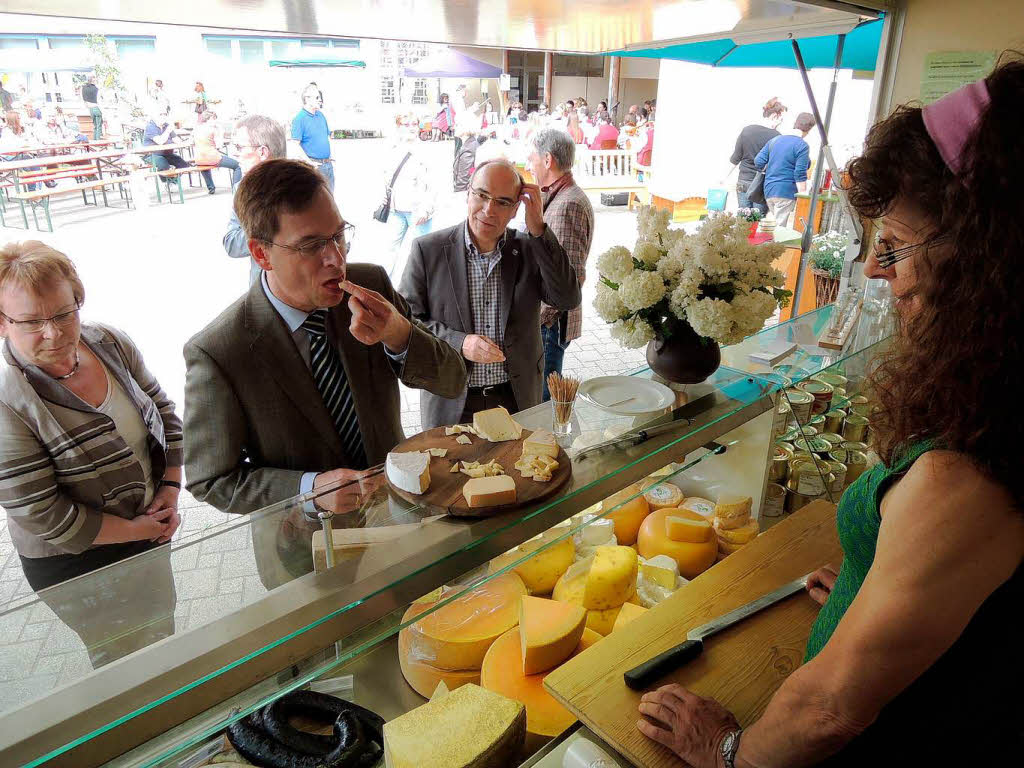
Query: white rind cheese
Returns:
{"type": "Point", "coordinates": [409, 471]}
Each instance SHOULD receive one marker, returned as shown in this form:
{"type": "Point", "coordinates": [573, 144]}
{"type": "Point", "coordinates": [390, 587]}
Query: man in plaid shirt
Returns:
{"type": "Point", "coordinates": [569, 214]}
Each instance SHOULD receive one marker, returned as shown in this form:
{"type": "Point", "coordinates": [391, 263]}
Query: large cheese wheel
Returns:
{"type": "Point", "coordinates": [692, 559]}
{"type": "Point", "coordinates": [424, 677]}
{"type": "Point", "coordinates": [550, 630]}
{"type": "Point", "coordinates": [629, 516]}
{"type": "Point", "coordinates": [502, 673]}
{"type": "Point", "coordinates": [457, 635]}
{"type": "Point", "coordinates": [570, 589]}
{"type": "Point", "coordinates": [540, 572]}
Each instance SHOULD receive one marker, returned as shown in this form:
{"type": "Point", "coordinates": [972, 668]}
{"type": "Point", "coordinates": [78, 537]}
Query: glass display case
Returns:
{"type": "Point", "coordinates": [146, 662]}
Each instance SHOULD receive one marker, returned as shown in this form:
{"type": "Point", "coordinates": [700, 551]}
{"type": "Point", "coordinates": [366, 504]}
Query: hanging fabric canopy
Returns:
{"type": "Point", "coordinates": [859, 52]}
{"type": "Point", "coordinates": [316, 63]}
{"type": "Point", "coordinates": [451, 63]}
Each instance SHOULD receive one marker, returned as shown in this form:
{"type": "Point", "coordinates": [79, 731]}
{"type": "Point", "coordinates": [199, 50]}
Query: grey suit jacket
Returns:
{"type": "Point", "coordinates": [436, 285]}
{"type": "Point", "coordinates": [254, 420]}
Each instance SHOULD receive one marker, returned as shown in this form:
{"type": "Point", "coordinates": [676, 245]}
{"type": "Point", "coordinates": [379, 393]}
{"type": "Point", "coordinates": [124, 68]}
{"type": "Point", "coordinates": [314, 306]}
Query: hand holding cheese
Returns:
{"type": "Point", "coordinates": [375, 320]}
{"type": "Point", "coordinates": [353, 486]}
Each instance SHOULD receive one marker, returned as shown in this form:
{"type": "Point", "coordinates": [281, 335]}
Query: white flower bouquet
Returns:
{"type": "Point", "coordinates": [715, 281]}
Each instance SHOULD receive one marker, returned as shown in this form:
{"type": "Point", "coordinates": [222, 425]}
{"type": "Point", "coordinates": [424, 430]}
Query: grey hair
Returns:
{"type": "Point", "coordinates": [558, 144]}
{"type": "Point", "coordinates": [265, 132]}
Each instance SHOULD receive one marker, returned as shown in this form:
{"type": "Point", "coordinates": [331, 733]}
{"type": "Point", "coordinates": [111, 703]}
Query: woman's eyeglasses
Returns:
{"type": "Point", "coordinates": [886, 257]}
{"type": "Point", "coordinates": [63, 320]}
{"type": "Point", "coordinates": [315, 249]}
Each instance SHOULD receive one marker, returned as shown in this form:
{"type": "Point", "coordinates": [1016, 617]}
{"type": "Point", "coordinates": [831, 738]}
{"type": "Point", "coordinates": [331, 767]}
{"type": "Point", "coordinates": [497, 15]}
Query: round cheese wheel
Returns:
{"type": "Point", "coordinates": [664, 496]}
{"type": "Point", "coordinates": [731, 506]}
{"type": "Point", "coordinates": [742, 535]}
{"type": "Point", "coordinates": [424, 677]}
{"type": "Point", "coordinates": [702, 506]}
{"type": "Point", "coordinates": [692, 558]}
{"type": "Point", "coordinates": [540, 572]}
{"type": "Point", "coordinates": [457, 635]}
{"type": "Point", "coordinates": [629, 516]}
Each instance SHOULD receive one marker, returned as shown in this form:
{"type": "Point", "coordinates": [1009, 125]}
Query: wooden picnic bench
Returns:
{"type": "Point", "coordinates": [174, 175]}
{"type": "Point", "coordinates": [41, 198]}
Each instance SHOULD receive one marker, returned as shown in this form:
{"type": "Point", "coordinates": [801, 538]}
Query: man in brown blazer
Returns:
{"type": "Point", "coordinates": [479, 286]}
{"type": "Point", "coordinates": [295, 385]}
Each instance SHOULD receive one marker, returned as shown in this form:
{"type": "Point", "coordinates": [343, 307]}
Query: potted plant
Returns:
{"type": "Point", "coordinates": [827, 252]}
{"type": "Point", "coordinates": [753, 215]}
{"type": "Point", "coordinates": [683, 295]}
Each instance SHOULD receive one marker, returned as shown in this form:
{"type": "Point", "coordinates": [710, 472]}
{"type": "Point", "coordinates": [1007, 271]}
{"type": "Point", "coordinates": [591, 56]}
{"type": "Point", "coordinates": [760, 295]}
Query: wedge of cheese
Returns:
{"type": "Point", "coordinates": [490, 491]}
{"type": "Point", "coordinates": [687, 529]}
{"type": "Point", "coordinates": [471, 727]}
{"type": "Point", "coordinates": [627, 614]}
{"type": "Point", "coordinates": [549, 632]}
{"type": "Point", "coordinates": [611, 580]}
{"type": "Point", "coordinates": [665, 577]}
{"type": "Point", "coordinates": [541, 443]}
{"type": "Point", "coordinates": [409, 471]}
{"type": "Point", "coordinates": [496, 425]}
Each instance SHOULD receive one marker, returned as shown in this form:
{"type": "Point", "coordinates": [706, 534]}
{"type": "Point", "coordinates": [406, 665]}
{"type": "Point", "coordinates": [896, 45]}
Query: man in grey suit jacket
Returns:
{"type": "Point", "coordinates": [479, 286]}
{"type": "Point", "coordinates": [262, 423]}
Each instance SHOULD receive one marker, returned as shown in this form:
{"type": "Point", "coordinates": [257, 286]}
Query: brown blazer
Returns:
{"type": "Point", "coordinates": [254, 420]}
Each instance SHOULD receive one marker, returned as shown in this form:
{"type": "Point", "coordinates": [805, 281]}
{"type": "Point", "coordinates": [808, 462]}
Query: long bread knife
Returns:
{"type": "Point", "coordinates": [643, 675]}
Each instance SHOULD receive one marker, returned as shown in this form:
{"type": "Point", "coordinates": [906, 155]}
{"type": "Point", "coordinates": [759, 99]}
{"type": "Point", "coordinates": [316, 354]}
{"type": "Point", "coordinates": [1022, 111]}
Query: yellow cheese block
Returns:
{"type": "Point", "coordinates": [661, 576]}
{"type": "Point", "coordinates": [502, 674]}
{"type": "Point", "coordinates": [603, 622]}
{"type": "Point", "coordinates": [490, 491]}
{"type": "Point", "coordinates": [471, 727]}
{"type": "Point", "coordinates": [424, 678]}
{"type": "Point", "coordinates": [629, 516]}
{"type": "Point", "coordinates": [727, 548]}
{"type": "Point", "coordinates": [733, 506]}
{"type": "Point", "coordinates": [611, 580]}
{"type": "Point", "coordinates": [541, 443]}
{"type": "Point", "coordinates": [549, 631]}
{"type": "Point", "coordinates": [742, 535]}
{"type": "Point", "coordinates": [692, 559]}
{"type": "Point", "coordinates": [541, 572]}
{"type": "Point", "coordinates": [687, 529]}
{"type": "Point", "coordinates": [496, 425]}
{"type": "Point", "coordinates": [664, 496]}
{"type": "Point", "coordinates": [627, 614]}
{"type": "Point", "coordinates": [457, 635]}
{"type": "Point", "coordinates": [570, 589]}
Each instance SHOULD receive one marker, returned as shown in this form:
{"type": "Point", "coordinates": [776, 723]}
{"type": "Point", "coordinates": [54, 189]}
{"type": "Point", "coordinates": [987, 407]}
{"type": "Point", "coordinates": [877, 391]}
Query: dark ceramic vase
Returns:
{"type": "Point", "coordinates": [685, 358]}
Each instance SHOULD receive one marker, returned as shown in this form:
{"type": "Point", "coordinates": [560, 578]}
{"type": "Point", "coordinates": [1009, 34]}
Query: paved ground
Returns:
{"type": "Point", "coordinates": [161, 274]}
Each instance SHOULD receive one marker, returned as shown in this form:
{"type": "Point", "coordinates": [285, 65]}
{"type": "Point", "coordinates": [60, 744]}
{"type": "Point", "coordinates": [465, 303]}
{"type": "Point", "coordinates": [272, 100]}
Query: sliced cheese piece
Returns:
{"type": "Point", "coordinates": [703, 507]}
{"type": "Point", "coordinates": [660, 576]}
{"type": "Point", "coordinates": [541, 443]}
{"type": "Point", "coordinates": [471, 727]}
{"type": "Point", "coordinates": [441, 690]}
{"type": "Point", "coordinates": [454, 469]}
{"type": "Point", "coordinates": [742, 535]}
{"type": "Point", "coordinates": [549, 631]}
{"type": "Point", "coordinates": [541, 572]}
{"type": "Point", "coordinates": [425, 678]}
{"type": "Point", "coordinates": [611, 580]}
{"type": "Point", "coordinates": [439, 452]}
{"type": "Point", "coordinates": [458, 634]}
{"type": "Point", "coordinates": [664, 496]}
{"type": "Point", "coordinates": [629, 515]}
{"type": "Point", "coordinates": [687, 529]}
{"type": "Point", "coordinates": [409, 471]}
{"type": "Point", "coordinates": [490, 491]}
{"type": "Point", "coordinates": [496, 425]}
{"type": "Point", "coordinates": [692, 558]}
{"type": "Point", "coordinates": [463, 440]}
{"type": "Point", "coordinates": [731, 506]}
{"type": "Point", "coordinates": [627, 614]}
{"type": "Point", "coordinates": [502, 674]}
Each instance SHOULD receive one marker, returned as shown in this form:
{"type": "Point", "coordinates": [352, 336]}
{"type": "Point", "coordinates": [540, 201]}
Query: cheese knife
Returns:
{"type": "Point", "coordinates": [643, 675]}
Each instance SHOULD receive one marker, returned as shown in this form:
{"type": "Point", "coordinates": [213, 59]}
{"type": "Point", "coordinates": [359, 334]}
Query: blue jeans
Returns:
{"type": "Point", "coordinates": [327, 171]}
{"type": "Point", "coordinates": [224, 162]}
{"type": "Point", "coordinates": [554, 349]}
{"type": "Point", "coordinates": [97, 122]}
{"type": "Point", "coordinates": [400, 222]}
{"type": "Point", "coordinates": [744, 202]}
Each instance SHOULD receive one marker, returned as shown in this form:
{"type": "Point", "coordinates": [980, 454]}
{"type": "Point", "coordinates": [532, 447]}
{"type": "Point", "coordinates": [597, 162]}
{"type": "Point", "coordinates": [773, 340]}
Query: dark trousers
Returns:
{"type": "Point", "coordinates": [164, 160]}
{"type": "Point", "coordinates": [554, 348]}
{"type": "Point", "coordinates": [482, 398]}
{"type": "Point", "coordinates": [97, 122]}
{"type": "Point", "coordinates": [224, 162]}
{"type": "Point", "coordinates": [745, 202]}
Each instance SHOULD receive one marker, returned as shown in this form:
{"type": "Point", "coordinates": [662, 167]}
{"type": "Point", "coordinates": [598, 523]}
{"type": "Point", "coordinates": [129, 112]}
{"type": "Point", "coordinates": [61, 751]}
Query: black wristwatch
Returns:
{"type": "Point", "coordinates": [172, 483]}
{"type": "Point", "coordinates": [730, 746]}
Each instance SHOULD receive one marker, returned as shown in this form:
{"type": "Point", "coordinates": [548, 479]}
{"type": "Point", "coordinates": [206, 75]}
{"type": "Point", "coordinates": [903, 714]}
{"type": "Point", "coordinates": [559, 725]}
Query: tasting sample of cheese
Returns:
{"type": "Point", "coordinates": [629, 516]}
{"type": "Point", "coordinates": [692, 558]}
{"type": "Point", "coordinates": [541, 572]}
{"type": "Point", "coordinates": [425, 678]}
{"type": "Point", "coordinates": [471, 727]}
{"type": "Point", "coordinates": [549, 631]}
{"type": "Point", "coordinates": [664, 496]}
{"type": "Point", "coordinates": [627, 614]}
{"type": "Point", "coordinates": [687, 529]}
{"type": "Point", "coordinates": [458, 634]}
{"type": "Point", "coordinates": [409, 471]}
{"type": "Point", "coordinates": [541, 443]}
{"type": "Point", "coordinates": [502, 673]}
{"type": "Point", "coordinates": [490, 491]}
{"type": "Point", "coordinates": [611, 580]}
{"type": "Point", "coordinates": [496, 425]}
{"type": "Point", "coordinates": [742, 535]}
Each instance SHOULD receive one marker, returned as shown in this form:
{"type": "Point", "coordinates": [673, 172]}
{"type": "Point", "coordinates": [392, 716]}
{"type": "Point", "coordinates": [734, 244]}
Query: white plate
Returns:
{"type": "Point", "coordinates": [640, 395]}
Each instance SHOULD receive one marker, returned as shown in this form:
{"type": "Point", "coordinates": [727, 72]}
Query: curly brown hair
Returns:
{"type": "Point", "coordinates": [773, 108]}
{"type": "Point", "coordinates": [949, 373]}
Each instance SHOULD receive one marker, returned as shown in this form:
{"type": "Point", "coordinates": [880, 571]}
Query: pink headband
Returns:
{"type": "Point", "coordinates": [951, 120]}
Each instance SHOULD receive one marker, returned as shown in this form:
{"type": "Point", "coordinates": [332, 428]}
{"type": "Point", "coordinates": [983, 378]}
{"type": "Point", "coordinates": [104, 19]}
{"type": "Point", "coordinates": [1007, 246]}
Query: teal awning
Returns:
{"type": "Point", "coordinates": [317, 63]}
{"type": "Point", "coordinates": [859, 52]}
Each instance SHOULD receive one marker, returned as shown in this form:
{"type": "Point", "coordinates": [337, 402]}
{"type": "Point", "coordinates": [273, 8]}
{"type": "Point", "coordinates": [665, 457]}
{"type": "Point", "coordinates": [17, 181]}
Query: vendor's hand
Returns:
{"type": "Point", "coordinates": [530, 195]}
{"type": "Point", "coordinates": [692, 727]}
{"type": "Point", "coordinates": [375, 320]}
{"type": "Point", "coordinates": [349, 497]}
{"type": "Point", "coordinates": [820, 584]}
{"type": "Point", "coordinates": [480, 349]}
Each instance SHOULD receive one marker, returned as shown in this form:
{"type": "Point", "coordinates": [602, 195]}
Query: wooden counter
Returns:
{"type": "Point", "coordinates": [741, 667]}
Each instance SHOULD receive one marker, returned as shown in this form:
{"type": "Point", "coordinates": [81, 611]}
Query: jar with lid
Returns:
{"type": "Point", "coordinates": [834, 420]}
{"type": "Point", "coordinates": [859, 405]}
{"type": "Point", "coordinates": [774, 500]}
{"type": "Point", "coordinates": [833, 438]}
{"type": "Point", "coordinates": [815, 445]}
{"type": "Point", "coordinates": [808, 478]}
{"type": "Point", "coordinates": [856, 428]}
{"type": "Point", "coordinates": [832, 379]}
{"type": "Point", "coordinates": [800, 402]}
{"type": "Point", "coordinates": [778, 468]}
{"type": "Point", "coordinates": [822, 394]}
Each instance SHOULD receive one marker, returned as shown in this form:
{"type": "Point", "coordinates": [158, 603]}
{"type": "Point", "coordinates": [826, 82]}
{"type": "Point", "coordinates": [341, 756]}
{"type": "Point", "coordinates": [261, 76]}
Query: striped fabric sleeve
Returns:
{"type": "Point", "coordinates": [29, 492]}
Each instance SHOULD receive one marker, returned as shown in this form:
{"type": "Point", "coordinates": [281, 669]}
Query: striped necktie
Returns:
{"type": "Point", "coordinates": [331, 382]}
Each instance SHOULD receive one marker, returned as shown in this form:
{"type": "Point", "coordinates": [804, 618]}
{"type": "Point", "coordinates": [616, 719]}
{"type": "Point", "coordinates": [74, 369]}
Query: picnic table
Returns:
{"type": "Point", "coordinates": [54, 148]}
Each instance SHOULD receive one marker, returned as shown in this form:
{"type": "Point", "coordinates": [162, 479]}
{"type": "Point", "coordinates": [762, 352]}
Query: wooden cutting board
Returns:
{"type": "Point", "coordinates": [740, 667]}
{"type": "Point", "coordinates": [444, 496]}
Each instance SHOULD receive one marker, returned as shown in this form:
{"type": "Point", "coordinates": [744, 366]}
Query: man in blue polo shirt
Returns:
{"type": "Point", "coordinates": [310, 137]}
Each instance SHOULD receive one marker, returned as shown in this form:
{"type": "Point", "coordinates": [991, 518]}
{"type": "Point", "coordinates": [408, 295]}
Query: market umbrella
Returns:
{"type": "Point", "coordinates": [451, 63]}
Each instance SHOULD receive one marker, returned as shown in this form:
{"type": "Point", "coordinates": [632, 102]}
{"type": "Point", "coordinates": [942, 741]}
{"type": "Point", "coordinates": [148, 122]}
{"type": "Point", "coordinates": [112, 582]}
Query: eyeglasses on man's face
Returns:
{"type": "Point", "coordinates": [483, 198]}
{"type": "Point", "coordinates": [36, 325]}
{"type": "Point", "coordinates": [315, 249]}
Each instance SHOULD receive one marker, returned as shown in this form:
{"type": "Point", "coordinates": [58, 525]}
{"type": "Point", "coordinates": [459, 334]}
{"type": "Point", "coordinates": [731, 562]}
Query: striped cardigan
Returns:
{"type": "Point", "coordinates": [63, 464]}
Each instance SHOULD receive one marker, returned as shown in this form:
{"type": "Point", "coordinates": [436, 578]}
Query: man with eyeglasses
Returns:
{"type": "Point", "coordinates": [479, 286]}
{"type": "Point", "coordinates": [257, 138]}
{"type": "Point", "coordinates": [294, 388]}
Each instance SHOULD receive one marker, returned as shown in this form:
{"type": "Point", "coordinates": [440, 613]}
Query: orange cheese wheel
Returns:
{"type": "Point", "coordinates": [692, 558]}
{"type": "Point", "coordinates": [423, 677]}
{"type": "Point", "coordinates": [629, 516]}
{"type": "Point", "coordinates": [502, 673]}
{"type": "Point", "coordinates": [457, 635]}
